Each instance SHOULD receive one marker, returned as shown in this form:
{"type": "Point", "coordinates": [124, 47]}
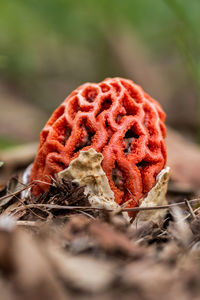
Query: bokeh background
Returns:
{"type": "Point", "coordinates": [48, 48]}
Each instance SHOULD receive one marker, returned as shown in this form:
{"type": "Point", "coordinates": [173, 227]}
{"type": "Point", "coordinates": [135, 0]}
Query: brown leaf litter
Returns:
{"type": "Point", "coordinates": [58, 247]}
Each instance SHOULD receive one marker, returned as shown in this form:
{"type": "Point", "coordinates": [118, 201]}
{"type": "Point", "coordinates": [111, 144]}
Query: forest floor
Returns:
{"type": "Point", "coordinates": [47, 252]}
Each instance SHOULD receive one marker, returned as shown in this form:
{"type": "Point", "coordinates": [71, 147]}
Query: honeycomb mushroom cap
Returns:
{"type": "Point", "coordinates": [116, 118]}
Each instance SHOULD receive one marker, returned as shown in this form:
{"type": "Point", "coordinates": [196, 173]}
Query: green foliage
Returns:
{"type": "Point", "coordinates": [187, 38]}
{"type": "Point", "coordinates": [29, 27]}
{"type": "Point", "coordinates": [6, 143]}
{"type": "Point", "coordinates": [67, 39]}
{"type": "Point", "coordinates": [186, 33]}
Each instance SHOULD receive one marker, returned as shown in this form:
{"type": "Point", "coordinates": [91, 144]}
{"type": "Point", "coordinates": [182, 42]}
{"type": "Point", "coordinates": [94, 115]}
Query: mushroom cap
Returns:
{"type": "Point", "coordinates": [116, 118]}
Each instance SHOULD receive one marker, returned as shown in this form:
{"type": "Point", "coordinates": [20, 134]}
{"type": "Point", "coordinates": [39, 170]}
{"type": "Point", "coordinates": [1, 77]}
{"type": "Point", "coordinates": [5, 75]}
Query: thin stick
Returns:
{"type": "Point", "coordinates": [190, 209]}
{"type": "Point", "coordinates": [132, 196]}
{"type": "Point", "coordinates": [120, 208]}
{"type": "Point", "coordinates": [15, 193]}
{"type": "Point", "coordinates": [135, 209]}
{"type": "Point", "coordinates": [27, 223]}
{"type": "Point", "coordinates": [21, 201]}
{"type": "Point", "coordinates": [86, 214]}
{"type": "Point", "coordinates": [196, 210]}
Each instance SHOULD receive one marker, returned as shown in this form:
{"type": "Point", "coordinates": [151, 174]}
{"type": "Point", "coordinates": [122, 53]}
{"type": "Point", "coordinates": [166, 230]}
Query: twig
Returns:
{"type": "Point", "coordinates": [132, 196]}
{"type": "Point", "coordinates": [190, 209]}
{"type": "Point", "coordinates": [43, 182]}
{"type": "Point", "coordinates": [135, 209]}
{"type": "Point", "coordinates": [86, 214]}
{"type": "Point", "coordinates": [21, 201]}
{"type": "Point", "coordinates": [120, 208]}
{"type": "Point", "coordinates": [15, 193]}
{"type": "Point", "coordinates": [27, 223]}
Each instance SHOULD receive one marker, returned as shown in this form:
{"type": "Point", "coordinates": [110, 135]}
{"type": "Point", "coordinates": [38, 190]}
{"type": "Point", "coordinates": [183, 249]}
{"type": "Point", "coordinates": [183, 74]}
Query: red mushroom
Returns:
{"type": "Point", "coordinates": [115, 117]}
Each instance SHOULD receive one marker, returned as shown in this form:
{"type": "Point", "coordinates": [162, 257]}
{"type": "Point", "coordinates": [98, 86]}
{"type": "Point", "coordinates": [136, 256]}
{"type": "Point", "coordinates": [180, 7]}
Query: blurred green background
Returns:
{"type": "Point", "coordinates": [49, 47]}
